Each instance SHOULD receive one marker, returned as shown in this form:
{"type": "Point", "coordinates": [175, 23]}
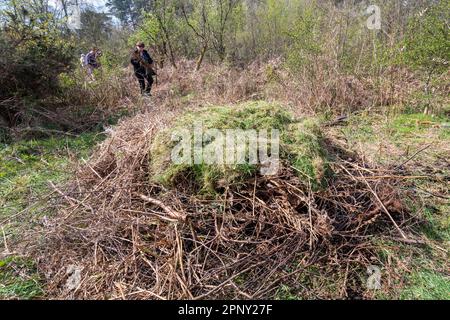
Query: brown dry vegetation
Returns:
{"type": "Point", "coordinates": [133, 239]}
{"type": "Point", "coordinates": [327, 92]}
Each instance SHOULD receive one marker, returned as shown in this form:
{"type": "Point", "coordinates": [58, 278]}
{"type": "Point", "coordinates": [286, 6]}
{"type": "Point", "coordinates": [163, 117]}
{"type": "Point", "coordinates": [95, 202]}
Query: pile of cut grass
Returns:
{"type": "Point", "coordinates": [301, 146]}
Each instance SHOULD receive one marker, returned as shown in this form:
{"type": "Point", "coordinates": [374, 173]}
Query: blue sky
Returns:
{"type": "Point", "coordinates": [99, 4]}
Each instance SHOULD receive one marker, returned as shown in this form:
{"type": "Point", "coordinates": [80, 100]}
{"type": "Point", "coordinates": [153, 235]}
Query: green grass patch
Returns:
{"type": "Point", "coordinates": [427, 285]}
{"type": "Point", "coordinates": [438, 222]}
{"type": "Point", "coordinates": [415, 272]}
{"type": "Point", "coordinates": [18, 279]}
{"type": "Point", "coordinates": [400, 129]}
{"type": "Point", "coordinates": [407, 125]}
{"type": "Point", "coordinates": [360, 128]}
{"type": "Point", "coordinates": [27, 166]}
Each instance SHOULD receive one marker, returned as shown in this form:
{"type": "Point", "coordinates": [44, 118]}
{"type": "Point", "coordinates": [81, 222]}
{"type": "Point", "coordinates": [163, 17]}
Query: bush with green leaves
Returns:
{"type": "Point", "coordinates": [306, 38]}
{"type": "Point", "coordinates": [427, 42]}
{"type": "Point", "coordinates": [34, 50]}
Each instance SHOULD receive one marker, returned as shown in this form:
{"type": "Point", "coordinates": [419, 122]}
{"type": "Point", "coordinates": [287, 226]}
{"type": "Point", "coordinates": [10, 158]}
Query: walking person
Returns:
{"type": "Point", "coordinates": [143, 68]}
{"type": "Point", "coordinates": [92, 62]}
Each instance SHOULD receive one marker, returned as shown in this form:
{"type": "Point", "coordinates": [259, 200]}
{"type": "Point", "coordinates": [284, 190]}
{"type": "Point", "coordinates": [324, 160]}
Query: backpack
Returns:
{"type": "Point", "coordinates": [83, 60]}
{"type": "Point", "coordinates": [86, 59]}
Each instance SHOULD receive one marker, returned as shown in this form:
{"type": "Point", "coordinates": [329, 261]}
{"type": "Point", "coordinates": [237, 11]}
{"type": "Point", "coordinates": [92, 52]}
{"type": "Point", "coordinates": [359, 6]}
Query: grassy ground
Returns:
{"type": "Point", "coordinates": [26, 169]}
{"type": "Point", "coordinates": [419, 144]}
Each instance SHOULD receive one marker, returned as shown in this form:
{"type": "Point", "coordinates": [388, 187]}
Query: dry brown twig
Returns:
{"type": "Point", "coordinates": [173, 214]}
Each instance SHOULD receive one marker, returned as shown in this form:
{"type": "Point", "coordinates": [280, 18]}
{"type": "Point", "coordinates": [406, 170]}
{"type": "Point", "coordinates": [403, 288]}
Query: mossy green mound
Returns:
{"type": "Point", "coordinates": [300, 146]}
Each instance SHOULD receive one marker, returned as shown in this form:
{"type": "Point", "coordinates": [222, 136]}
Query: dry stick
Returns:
{"type": "Point", "coordinates": [71, 200]}
{"type": "Point", "coordinates": [5, 242]}
{"type": "Point", "coordinates": [147, 292]}
{"type": "Point", "coordinates": [169, 211]}
{"type": "Point", "coordinates": [311, 232]}
{"type": "Point", "coordinates": [414, 155]}
{"type": "Point", "coordinates": [384, 208]}
{"type": "Point", "coordinates": [271, 286]}
{"type": "Point", "coordinates": [152, 213]}
{"type": "Point", "coordinates": [92, 169]}
{"type": "Point", "coordinates": [273, 270]}
{"type": "Point", "coordinates": [180, 261]}
{"type": "Point", "coordinates": [409, 241]}
{"type": "Point", "coordinates": [254, 196]}
{"type": "Point", "coordinates": [397, 177]}
{"type": "Point", "coordinates": [241, 292]}
{"type": "Point", "coordinates": [433, 194]}
{"type": "Point", "coordinates": [203, 296]}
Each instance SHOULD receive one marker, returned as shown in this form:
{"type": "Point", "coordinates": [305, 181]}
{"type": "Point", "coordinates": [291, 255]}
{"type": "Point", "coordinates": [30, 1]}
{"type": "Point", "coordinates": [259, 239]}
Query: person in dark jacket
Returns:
{"type": "Point", "coordinates": [142, 63]}
{"type": "Point", "coordinates": [92, 62]}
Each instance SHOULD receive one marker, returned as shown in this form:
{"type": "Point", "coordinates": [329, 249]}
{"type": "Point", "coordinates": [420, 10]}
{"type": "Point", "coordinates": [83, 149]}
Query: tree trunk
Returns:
{"type": "Point", "coordinates": [169, 45]}
{"type": "Point", "coordinates": [201, 57]}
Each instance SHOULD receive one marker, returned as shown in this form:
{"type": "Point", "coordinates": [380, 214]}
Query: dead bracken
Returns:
{"type": "Point", "coordinates": [135, 238]}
